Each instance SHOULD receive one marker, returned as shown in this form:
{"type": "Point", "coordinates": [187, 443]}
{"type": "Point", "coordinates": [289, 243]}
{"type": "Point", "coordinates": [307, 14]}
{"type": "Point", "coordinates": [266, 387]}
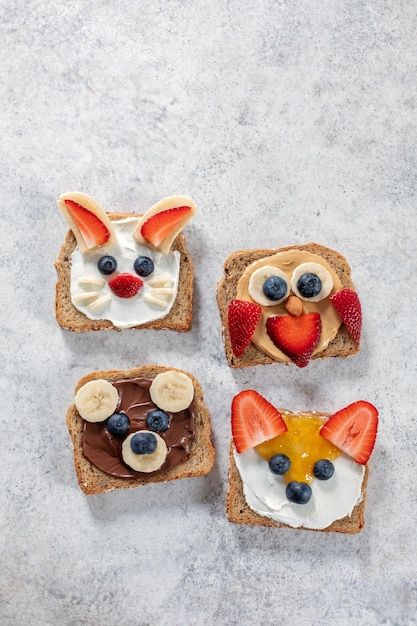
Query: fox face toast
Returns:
{"type": "Point", "coordinates": [303, 470]}
{"type": "Point", "coordinates": [129, 428]}
{"type": "Point", "coordinates": [124, 271]}
{"type": "Point", "coordinates": [288, 305]}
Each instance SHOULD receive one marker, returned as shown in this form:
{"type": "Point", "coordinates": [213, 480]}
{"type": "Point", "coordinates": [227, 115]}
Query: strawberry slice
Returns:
{"type": "Point", "coordinates": [125, 285]}
{"type": "Point", "coordinates": [243, 318]}
{"type": "Point", "coordinates": [353, 430]}
{"type": "Point", "coordinates": [347, 304]}
{"type": "Point", "coordinates": [297, 337]}
{"type": "Point", "coordinates": [93, 231]}
{"type": "Point", "coordinates": [254, 420]}
{"type": "Point", "coordinates": [160, 225]}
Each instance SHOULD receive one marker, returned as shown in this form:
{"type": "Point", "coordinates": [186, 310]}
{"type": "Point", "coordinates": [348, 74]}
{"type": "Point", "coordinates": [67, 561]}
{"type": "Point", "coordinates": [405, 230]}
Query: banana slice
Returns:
{"type": "Point", "coordinates": [172, 391]}
{"type": "Point", "coordinates": [257, 281]}
{"type": "Point", "coordinates": [100, 303]}
{"type": "Point", "coordinates": [320, 271]}
{"type": "Point", "coordinates": [144, 462]}
{"type": "Point", "coordinates": [85, 298]}
{"type": "Point", "coordinates": [96, 400]}
{"type": "Point", "coordinates": [91, 282]}
{"type": "Point", "coordinates": [155, 301]}
{"type": "Point", "coordinates": [161, 281]}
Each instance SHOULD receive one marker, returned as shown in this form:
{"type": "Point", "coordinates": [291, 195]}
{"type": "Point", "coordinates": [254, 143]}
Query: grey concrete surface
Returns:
{"type": "Point", "coordinates": [288, 122]}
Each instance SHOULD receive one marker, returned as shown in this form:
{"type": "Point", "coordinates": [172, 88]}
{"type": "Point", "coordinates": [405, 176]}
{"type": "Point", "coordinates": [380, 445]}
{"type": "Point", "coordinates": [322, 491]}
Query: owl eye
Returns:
{"type": "Point", "coordinates": [144, 266]}
{"type": "Point", "coordinates": [311, 282]}
{"type": "Point", "coordinates": [268, 286]}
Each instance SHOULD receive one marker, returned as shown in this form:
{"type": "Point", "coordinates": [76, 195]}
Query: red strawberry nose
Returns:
{"type": "Point", "coordinates": [125, 285]}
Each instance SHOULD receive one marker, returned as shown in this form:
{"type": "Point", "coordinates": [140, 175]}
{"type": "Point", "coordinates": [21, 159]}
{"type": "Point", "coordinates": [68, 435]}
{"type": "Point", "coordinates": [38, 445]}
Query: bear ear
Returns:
{"type": "Point", "coordinates": [89, 223]}
{"type": "Point", "coordinates": [161, 224]}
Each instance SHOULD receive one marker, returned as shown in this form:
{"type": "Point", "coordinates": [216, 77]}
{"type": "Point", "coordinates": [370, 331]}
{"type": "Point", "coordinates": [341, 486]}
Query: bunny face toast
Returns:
{"type": "Point", "coordinates": [129, 428]}
{"type": "Point", "coordinates": [302, 470]}
{"type": "Point", "coordinates": [288, 305]}
{"type": "Point", "coordinates": [124, 271]}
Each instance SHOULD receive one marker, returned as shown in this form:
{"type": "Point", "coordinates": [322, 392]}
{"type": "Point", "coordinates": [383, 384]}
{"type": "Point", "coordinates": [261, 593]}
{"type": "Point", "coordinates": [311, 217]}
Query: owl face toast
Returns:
{"type": "Point", "coordinates": [288, 306]}
{"type": "Point", "coordinates": [124, 270]}
{"type": "Point", "coordinates": [301, 469]}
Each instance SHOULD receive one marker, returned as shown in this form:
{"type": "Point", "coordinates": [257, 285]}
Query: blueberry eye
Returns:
{"type": "Point", "coordinates": [107, 264]}
{"type": "Point", "coordinates": [275, 288]}
{"type": "Point", "coordinates": [157, 420]}
{"type": "Point", "coordinates": [279, 464]}
{"type": "Point", "coordinates": [309, 285]}
{"type": "Point", "coordinates": [143, 266]}
{"type": "Point", "coordinates": [118, 424]}
{"type": "Point", "coordinates": [323, 469]}
{"type": "Point", "coordinates": [143, 443]}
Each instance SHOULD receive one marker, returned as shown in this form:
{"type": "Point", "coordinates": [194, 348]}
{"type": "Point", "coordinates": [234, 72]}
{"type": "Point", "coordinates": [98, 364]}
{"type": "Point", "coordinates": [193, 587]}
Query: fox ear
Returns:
{"type": "Point", "coordinates": [161, 224]}
{"type": "Point", "coordinates": [90, 224]}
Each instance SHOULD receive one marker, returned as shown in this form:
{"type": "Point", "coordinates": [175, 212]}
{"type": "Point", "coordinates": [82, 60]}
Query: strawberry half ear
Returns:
{"type": "Point", "coordinates": [347, 304]}
{"type": "Point", "coordinates": [89, 223]}
{"type": "Point", "coordinates": [163, 222]}
{"type": "Point", "coordinates": [242, 319]}
{"type": "Point", "coordinates": [353, 430]}
{"type": "Point", "coordinates": [254, 420]}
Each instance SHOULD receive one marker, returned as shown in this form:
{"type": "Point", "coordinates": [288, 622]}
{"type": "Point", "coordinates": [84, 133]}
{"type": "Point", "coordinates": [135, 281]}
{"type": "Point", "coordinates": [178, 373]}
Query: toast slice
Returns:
{"type": "Point", "coordinates": [93, 481]}
{"type": "Point", "coordinates": [341, 346]}
{"type": "Point", "coordinates": [70, 318]}
{"type": "Point", "coordinates": [238, 511]}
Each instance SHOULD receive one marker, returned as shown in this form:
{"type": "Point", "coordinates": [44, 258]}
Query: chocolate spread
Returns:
{"type": "Point", "coordinates": [105, 451]}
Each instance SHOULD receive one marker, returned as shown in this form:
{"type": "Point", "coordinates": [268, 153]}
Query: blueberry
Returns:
{"type": "Point", "coordinates": [279, 464]}
{"type": "Point", "coordinates": [309, 285]}
{"type": "Point", "coordinates": [275, 288]}
{"type": "Point", "coordinates": [118, 424]}
{"type": "Point", "coordinates": [107, 264]}
{"type": "Point", "coordinates": [299, 493]}
{"type": "Point", "coordinates": [143, 266]}
{"type": "Point", "coordinates": [323, 469]}
{"type": "Point", "coordinates": [143, 443]}
{"type": "Point", "coordinates": [157, 420]}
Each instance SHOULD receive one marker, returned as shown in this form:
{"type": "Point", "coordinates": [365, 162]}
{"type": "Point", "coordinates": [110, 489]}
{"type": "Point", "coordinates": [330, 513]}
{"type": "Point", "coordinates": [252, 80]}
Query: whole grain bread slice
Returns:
{"type": "Point", "coordinates": [341, 346]}
{"type": "Point", "coordinates": [92, 480]}
{"type": "Point", "coordinates": [70, 318]}
{"type": "Point", "coordinates": [238, 511]}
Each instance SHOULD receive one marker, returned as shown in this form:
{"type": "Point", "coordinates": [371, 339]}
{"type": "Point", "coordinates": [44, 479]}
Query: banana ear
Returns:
{"type": "Point", "coordinates": [161, 224]}
{"type": "Point", "coordinates": [89, 223]}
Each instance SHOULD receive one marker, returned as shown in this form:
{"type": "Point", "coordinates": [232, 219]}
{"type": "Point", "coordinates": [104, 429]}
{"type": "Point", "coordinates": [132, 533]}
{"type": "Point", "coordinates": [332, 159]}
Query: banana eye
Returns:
{"type": "Point", "coordinates": [268, 286]}
{"type": "Point", "coordinates": [311, 282]}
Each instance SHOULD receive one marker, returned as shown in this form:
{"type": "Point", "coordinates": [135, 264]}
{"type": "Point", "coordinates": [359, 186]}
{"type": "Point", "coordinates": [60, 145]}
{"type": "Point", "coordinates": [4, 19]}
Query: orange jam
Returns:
{"type": "Point", "coordinates": [302, 444]}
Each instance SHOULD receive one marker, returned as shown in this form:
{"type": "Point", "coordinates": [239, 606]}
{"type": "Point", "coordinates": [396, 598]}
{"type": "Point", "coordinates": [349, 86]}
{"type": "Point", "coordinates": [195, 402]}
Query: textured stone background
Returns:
{"type": "Point", "coordinates": [288, 122]}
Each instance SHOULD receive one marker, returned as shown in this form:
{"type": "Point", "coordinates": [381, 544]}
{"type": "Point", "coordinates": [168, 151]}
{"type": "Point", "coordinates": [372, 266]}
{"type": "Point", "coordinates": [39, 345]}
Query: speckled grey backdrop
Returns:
{"type": "Point", "coordinates": [287, 121]}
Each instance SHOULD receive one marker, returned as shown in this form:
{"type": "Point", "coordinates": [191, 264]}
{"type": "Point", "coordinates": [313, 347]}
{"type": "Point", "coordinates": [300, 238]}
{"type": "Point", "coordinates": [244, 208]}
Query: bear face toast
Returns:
{"type": "Point", "coordinates": [126, 270]}
{"type": "Point", "coordinates": [302, 470]}
{"type": "Point", "coordinates": [129, 428]}
{"type": "Point", "coordinates": [288, 305]}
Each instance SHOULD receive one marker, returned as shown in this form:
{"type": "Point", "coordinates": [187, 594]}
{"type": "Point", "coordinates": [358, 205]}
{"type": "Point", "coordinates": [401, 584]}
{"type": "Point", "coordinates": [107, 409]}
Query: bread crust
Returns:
{"type": "Point", "coordinates": [200, 462]}
{"type": "Point", "coordinates": [341, 346]}
{"type": "Point", "coordinates": [238, 511]}
{"type": "Point", "coordinates": [70, 318]}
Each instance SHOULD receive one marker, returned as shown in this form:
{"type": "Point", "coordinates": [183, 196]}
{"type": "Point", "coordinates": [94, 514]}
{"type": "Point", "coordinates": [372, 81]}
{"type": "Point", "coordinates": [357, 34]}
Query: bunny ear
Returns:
{"type": "Point", "coordinates": [90, 224]}
{"type": "Point", "coordinates": [164, 221]}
